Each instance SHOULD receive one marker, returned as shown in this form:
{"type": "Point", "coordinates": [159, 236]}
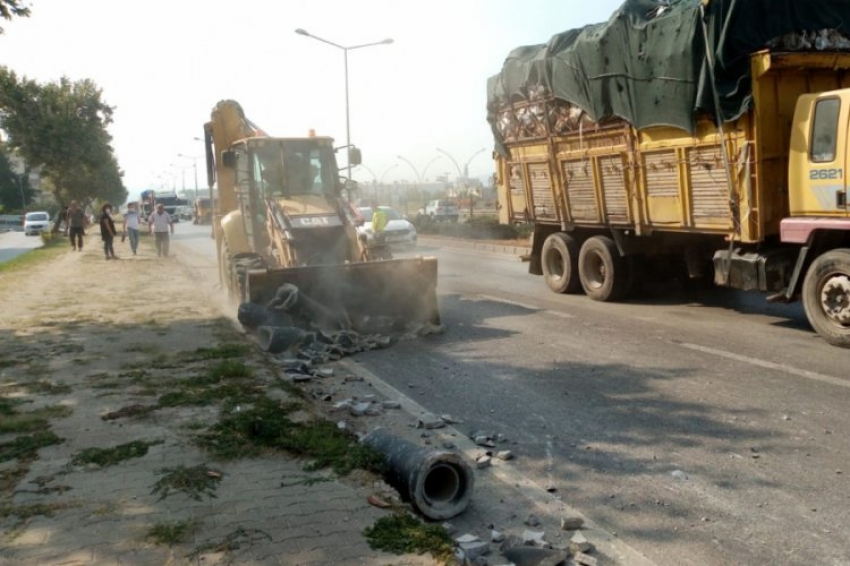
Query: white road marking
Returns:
{"type": "Point", "coordinates": [559, 314]}
{"type": "Point", "coordinates": [508, 302]}
{"type": "Point", "coordinates": [769, 365]}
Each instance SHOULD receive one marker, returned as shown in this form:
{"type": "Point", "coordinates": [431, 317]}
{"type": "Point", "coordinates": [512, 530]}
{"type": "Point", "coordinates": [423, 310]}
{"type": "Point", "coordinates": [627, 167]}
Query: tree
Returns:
{"type": "Point", "coordinates": [13, 185]}
{"type": "Point", "coordinates": [62, 127]}
{"type": "Point", "coordinates": [13, 8]}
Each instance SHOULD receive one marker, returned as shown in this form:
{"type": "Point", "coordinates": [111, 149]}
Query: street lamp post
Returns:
{"type": "Point", "coordinates": [465, 173]}
{"type": "Point", "coordinates": [345, 50]}
{"type": "Point", "coordinates": [194, 159]}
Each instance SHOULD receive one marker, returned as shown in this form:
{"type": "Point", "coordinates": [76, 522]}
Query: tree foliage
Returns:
{"type": "Point", "coordinates": [13, 8]}
{"type": "Point", "coordinates": [61, 126]}
{"type": "Point", "coordinates": [13, 185]}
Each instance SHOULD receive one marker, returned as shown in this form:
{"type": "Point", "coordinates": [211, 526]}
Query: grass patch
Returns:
{"type": "Point", "coordinates": [266, 426]}
{"type": "Point", "coordinates": [47, 387]}
{"type": "Point", "coordinates": [12, 421]}
{"type": "Point", "coordinates": [105, 457]}
{"type": "Point", "coordinates": [225, 382]}
{"type": "Point", "coordinates": [50, 250]}
{"type": "Point", "coordinates": [27, 446]}
{"type": "Point", "coordinates": [24, 512]}
{"type": "Point", "coordinates": [401, 533]}
{"type": "Point", "coordinates": [195, 482]}
{"type": "Point", "coordinates": [222, 352]}
{"type": "Point", "coordinates": [240, 538]}
{"type": "Point", "coordinates": [171, 532]}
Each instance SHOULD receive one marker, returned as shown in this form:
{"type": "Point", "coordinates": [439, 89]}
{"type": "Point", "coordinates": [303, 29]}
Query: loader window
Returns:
{"type": "Point", "coordinates": [825, 130]}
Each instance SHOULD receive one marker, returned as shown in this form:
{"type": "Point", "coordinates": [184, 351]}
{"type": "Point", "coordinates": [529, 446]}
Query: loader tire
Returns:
{"type": "Point", "coordinates": [559, 259]}
{"type": "Point", "coordinates": [604, 272]}
{"type": "Point", "coordinates": [826, 297]}
{"type": "Point", "coordinates": [229, 277]}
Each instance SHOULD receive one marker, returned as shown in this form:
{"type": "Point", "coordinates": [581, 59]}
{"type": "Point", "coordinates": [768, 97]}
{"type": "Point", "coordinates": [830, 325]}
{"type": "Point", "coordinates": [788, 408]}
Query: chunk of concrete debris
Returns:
{"type": "Point", "coordinates": [349, 378]}
{"type": "Point", "coordinates": [679, 475]}
{"type": "Point", "coordinates": [299, 377]}
{"type": "Point", "coordinates": [391, 405]}
{"type": "Point", "coordinates": [483, 440]}
{"type": "Point", "coordinates": [483, 462]}
{"type": "Point", "coordinates": [448, 527]}
{"type": "Point", "coordinates": [473, 550]}
{"type": "Point", "coordinates": [585, 559]}
{"type": "Point", "coordinates": [530, 556]}
{"type": "Point", "coordinates": [448, 419]}
{"type": "Point", "coordinates": [571, 523]}
{"type": "Point", "coordinates": [344, 404]}
{"type": "Point", "coordinates": [323, 372]}
{"type": "Point", "coordinates": [533, 538]}
{"type": "Point", "coordinates": [496, 536]}
{"type": "Point", "coordinates": [468, 537]}
{"type": "Point", "coordinates": [430, 421]}
{"type": "Point", "coordinates": [579, 543]}
{"type": "Point", "coordinates": [505, 455]}
{"type": "Point", "coordinates": [359, 409]}
{"type": "Point", "coordinates": [342, 425]}
{"type": "Point", "coordinates": [532, 520]}
{"type": "Point", "coordinates": [449, 445]}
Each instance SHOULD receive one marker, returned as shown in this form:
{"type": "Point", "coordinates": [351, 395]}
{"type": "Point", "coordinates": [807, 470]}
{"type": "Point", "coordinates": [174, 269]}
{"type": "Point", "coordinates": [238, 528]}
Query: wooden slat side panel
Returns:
{"type": "Point", "coordinates": [709, 186]}
{"type": "Point", "coordinates": [615, 189]}
{"type": "Point", "coordinates": [516, 184]}
{"type": "Point", "coordinates": [542, 197]}
{"type": "Point", "coordinates": [661, 177]}
{"type": "Point", "coordinates": [581, 196]}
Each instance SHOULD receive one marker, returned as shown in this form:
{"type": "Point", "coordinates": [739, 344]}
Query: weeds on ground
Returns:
{"type": "Point", "coordinates": [221, 352]}
{"type": "Point", "coordinates": [227, 381]}
{"type": "Point", "coordinates": [28, 445]}
{"type": "Point", "coordinates": [402, 533]}
{"type": "Point", "coordinates": [30, 421]}
{"type": "Point", "coordinates": [105, 457]}
{"type": "Point", "coordinates": [45, 387]}
{"type": "Point", "coordinates": [266, 426]}
{"type": "Point", "coordinates": [240, 538]}
{"type": "Point", "coordinates": [195, 481]}
{"type": "Point", "coordinates": [171, 532]}
{"type": "Point", "coordinates": [24, 512]}
{"type": "Point", "coordinates": [37, 256]}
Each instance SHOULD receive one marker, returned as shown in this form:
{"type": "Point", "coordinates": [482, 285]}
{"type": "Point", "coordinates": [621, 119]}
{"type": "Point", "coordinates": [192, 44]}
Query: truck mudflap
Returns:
{"type": "Point", "coordinates": [355, 295]}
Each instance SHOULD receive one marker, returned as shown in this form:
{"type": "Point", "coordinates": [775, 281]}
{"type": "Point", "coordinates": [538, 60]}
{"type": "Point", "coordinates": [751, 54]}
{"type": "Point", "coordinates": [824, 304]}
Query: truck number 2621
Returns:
{"type": "Point", "coordinates": [825, 174]}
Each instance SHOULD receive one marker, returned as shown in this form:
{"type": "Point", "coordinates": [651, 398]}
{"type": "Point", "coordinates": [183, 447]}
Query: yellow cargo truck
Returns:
{"type": "Point", "coordinates": [732, 168]}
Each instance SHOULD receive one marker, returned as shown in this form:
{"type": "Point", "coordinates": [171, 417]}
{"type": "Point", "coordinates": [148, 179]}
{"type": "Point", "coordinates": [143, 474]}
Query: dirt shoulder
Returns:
{"type": "Point", "coordinates": [128, 405]}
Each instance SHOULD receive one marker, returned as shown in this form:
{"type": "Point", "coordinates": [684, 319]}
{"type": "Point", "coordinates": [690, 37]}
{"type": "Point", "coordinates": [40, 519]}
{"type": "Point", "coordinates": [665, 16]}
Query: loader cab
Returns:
{"type": "Point", "coordinates": [293, 168]}
{"type": "Point", "coordinates": [818, 160]}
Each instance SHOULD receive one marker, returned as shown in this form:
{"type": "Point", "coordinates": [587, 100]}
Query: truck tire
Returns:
{"type": "Point", "coordinates": [826, 296]}
{"type": "Point", "coordinates": [603, 271]}
{"type": "Point", "coordinates": [559, 259]}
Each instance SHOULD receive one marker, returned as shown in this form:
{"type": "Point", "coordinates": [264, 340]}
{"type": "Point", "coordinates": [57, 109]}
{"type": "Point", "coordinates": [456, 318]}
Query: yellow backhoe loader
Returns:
{"type": "Point", "coordinates": [282, 218]}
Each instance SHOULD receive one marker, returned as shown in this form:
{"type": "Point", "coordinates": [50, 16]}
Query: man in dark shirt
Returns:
{"type": "Point", "coordinates": [75, 225]}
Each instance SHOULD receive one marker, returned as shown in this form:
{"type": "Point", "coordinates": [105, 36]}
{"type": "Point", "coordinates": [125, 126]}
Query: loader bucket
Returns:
{"type": "Point", "coordinates": [404, 290]}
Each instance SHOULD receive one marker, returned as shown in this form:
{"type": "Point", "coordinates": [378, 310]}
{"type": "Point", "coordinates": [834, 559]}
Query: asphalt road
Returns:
{"type": "Point", "coordinates": [705, 428]}
{"type": "Point", "coordinates": [13, 244]}
{"type": "Point", "coordinates": [701, 428]}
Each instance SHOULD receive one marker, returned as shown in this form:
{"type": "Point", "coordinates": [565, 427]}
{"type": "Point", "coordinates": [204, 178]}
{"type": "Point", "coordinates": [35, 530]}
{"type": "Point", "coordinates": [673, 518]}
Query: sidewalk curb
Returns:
{"type": "Point", "coordinates": [506, 476]}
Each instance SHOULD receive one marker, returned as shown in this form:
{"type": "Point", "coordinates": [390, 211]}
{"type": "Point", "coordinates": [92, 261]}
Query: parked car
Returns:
{"type": "Point", "coordinates": [442, 210]}
{"type": "Point", "coordinates": [398, 232]}
{"type": "Point", "coordinates": [36, 223]}
{"type": "Point", "coordinates": [183, 213]}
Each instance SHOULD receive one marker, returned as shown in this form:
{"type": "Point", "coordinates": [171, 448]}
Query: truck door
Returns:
{"type": "Point", "coordinates": [828, 156]}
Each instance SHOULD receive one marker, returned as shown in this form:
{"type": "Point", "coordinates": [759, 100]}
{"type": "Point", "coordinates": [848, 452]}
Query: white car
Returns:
{"type": "Point", "coordinates": [442, 210]}
{"type": "Point", "coordinates": [36, 223]}
{"type": "Point", "coordinates": [398, 232]}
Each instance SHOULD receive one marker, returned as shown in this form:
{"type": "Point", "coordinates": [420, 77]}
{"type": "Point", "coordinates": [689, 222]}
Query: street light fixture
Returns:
{"type": "Point", "coordinates": [345, 50]}
{"type": "Point", "coordinates": [465, 173]}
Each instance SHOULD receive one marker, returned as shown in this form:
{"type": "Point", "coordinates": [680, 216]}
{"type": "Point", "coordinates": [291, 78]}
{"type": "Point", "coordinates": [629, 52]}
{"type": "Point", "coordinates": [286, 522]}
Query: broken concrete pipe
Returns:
{"type": "Point", "coordinates": [438, 484]}
{"type": "Point", "coordinates": [277, 339]}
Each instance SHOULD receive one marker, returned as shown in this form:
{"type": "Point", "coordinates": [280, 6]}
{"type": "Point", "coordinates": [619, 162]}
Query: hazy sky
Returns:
{"type": "Point", "coordinates": [164, 64]}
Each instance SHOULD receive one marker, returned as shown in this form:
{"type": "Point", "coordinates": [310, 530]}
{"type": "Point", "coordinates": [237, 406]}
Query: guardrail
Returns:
{"type": "Point", "coordinates": [11, 222]}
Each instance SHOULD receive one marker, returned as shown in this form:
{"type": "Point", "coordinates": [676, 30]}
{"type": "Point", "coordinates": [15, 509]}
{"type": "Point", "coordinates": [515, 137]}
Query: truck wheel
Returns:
{"type": "Point", "coordinates": [826, 297]}
{"type": "Point", "coordinates": [559, 259]}
{"type": "Point", "coordinates": [604, 272]}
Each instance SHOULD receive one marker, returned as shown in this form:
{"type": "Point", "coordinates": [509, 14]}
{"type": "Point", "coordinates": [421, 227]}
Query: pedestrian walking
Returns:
{"type": "Point", "coordinates": [131, 226]}
{"type": "Point", "coordinates": [161, 226]}
{"type": "Point", "coordinates": [107, 231]}
{"type": "Point", "coordinates": [75, 225]}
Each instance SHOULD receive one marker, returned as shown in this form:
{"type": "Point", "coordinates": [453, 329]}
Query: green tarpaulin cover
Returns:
{"type": "Point", "coordinates": [647, 63]}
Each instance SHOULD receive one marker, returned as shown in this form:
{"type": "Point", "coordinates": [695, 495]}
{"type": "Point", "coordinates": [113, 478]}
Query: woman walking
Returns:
{"type": "Point", "coordinates": [107, 230]}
